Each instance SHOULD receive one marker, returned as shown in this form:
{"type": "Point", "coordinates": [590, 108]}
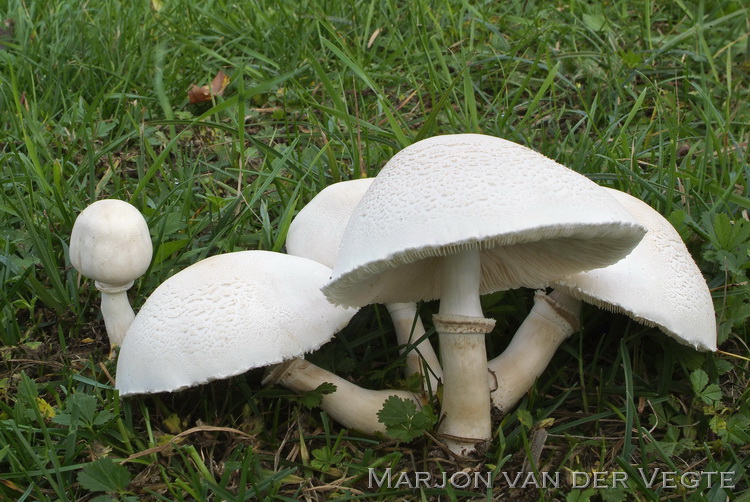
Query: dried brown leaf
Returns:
{"type": "Point", "coordinates": [198, 94]}
{"type": "Point", "coordinates": [219, 83]}
{"type": "Point", "coordinates": [204, 93]}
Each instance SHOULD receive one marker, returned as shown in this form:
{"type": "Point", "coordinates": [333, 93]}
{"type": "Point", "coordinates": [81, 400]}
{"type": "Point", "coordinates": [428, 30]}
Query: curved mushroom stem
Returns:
{"type": "Point", "coordinates": [551, 321]}
{"type": "Point", "coordinates": [350, 405]}
{"type": "Point", "coordinates": [461, 327]}
{"type": "Point", "coordinates": [116, 310]}
{"type": "Point", "coordinates": [420, 358]}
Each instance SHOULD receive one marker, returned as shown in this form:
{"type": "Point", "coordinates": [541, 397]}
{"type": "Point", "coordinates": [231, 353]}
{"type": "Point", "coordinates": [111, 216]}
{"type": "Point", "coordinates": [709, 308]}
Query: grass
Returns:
{"type": "Point", "coordinates": [650, 98]}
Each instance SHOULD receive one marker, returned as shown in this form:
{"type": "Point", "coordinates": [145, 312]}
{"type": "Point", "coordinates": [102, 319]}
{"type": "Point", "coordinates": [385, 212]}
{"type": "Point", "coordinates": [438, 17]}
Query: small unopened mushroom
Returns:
{"type": "Point", "coordinates": [453, 217]}
{"type": "Point", "coordinates": [657, 284]}
{"type": "Point", "coordinates": [110, 243]}
{"type": "Point", "coordinates": [315, 233]}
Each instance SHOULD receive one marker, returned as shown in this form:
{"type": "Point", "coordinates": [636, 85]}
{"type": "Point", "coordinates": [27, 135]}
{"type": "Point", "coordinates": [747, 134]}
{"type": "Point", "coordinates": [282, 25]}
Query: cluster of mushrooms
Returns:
{"type": "Point", "coordinates": [451, 218]}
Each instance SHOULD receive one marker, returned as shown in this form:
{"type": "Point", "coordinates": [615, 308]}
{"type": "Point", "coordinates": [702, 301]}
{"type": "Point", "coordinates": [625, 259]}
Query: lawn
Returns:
{"type": "Point", "coordinates": [651, 98]}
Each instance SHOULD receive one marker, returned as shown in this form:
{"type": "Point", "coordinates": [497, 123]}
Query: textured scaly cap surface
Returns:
{"type": "Point", "coordinates": [533, 219]}
{"type": "Point", "coordinates": [224, 316]}
{"type": "Point", "coordinates": [658, 284]}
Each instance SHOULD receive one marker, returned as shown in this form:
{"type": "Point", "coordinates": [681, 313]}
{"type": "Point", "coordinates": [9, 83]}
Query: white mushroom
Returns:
{"type": "Point", "coordinates": [225, 315]}
{"type": "Point", "coordinates": [551, 321]}
{"type": "Point", "coordinates": [657, 284]}
{"type": "Point", "coordinates": [453, 217]}
{"type": "Point", "coordinates": [110, 243]}
{"type": "Point", "coordinates": [233, 312]}
{"type": "Point", "coordinates": [411, 337]}
{"type": "Point", "coordinates": [350, 405]}
{"type": "Point", "coordinates": [316, 232]}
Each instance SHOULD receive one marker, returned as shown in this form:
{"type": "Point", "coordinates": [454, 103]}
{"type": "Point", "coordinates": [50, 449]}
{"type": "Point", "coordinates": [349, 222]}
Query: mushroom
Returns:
{"type": "Point", "coordinates": [453, 217]}
{"type": "Point", "coordinates": [315, 233]}
{"type": "Point", "coordinates": [551, 321]}
{"type": "Point", "coordinates": [110, 243]}
{"type": "Point", "coordinates": [658, 284]}
{"type": "Point", "coordinates": [225, 315]}
{"type": "Point", "coordinates": [228, 314]}
{"type": "Point", "coordinates": [350, 405]}
{"type": "Point", "coordinates": [411, 337]}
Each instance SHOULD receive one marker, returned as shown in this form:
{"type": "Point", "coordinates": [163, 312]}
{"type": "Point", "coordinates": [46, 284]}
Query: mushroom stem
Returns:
{"type": "Point", "coordinates": [350, 405]}
{"type": "Point", "coordinates": [420, 356]}
{"type": "Point", "coordinates": [551, 321]}
{"type": "Point", "coordinates": [116, 310]}
{"type": "Point", "coordinates": [111, 244]}
{"type": "Point", "coordinates": [461, 327]}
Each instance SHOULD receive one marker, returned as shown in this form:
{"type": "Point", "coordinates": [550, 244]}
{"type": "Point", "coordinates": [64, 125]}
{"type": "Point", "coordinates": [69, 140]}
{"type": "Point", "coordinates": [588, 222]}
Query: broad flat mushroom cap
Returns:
{"type": "Point", "coordinates": [110, 242]}
{"type": "Point", "coordinates": [316, 231]}
{"type": "Point", "coordinates": [224, 316]}
{"type": "Point", "coordinates": [533, 220]}
{"type": "Point", "coordinates": [658, 284]}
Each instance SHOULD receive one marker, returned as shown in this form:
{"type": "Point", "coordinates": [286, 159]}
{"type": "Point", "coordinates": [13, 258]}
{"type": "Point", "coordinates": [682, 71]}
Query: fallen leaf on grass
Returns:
{"type": "Point", "coordinates": [204, 93]}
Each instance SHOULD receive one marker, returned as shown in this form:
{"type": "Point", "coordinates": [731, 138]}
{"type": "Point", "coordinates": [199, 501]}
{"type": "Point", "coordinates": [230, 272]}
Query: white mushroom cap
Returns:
{"type": "Point", "coordinates": [532, 219]}
{"type": "Point", "coordinates": [225, 315]}
{"type": "Point", "coordinates": [110, 242]}
{"type": "Point", "coordinates": [316, 231]}
{"type": "Point", "coordinates": [658, 284]}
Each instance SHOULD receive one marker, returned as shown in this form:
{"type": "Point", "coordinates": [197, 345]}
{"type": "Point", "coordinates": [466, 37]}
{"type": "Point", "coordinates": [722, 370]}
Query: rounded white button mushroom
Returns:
{"type": "Point", "coordinates": [453, 217]}
{"type": "Point", "coordinates": [110, 243]}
